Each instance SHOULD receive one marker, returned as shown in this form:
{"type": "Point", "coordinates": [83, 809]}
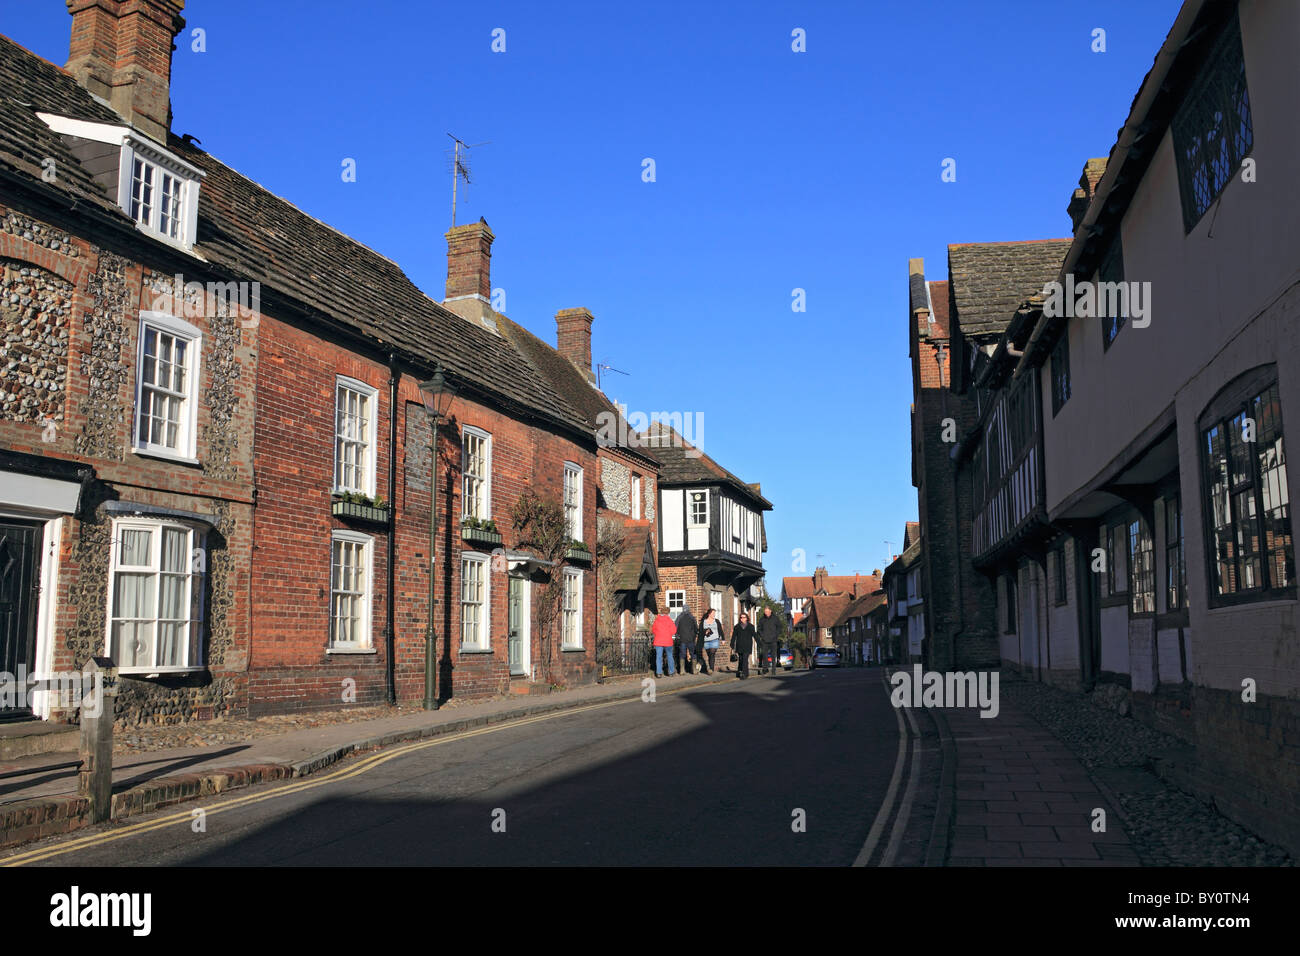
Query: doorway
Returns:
{"type": "Point", "coordinates": [519, 605]}
{"type": "Point", "coordinates": [20, 587]}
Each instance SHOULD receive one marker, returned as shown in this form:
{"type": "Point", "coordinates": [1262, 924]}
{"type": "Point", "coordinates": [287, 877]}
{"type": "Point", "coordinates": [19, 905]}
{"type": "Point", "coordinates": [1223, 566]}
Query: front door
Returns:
{"type": "Point", "coordinates": [20, 582]}
{"type": "Point", "coordinates": [517, 599]}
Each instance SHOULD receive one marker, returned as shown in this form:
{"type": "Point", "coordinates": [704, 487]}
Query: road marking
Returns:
{"type": "Point", "coordinates": [905, 811]}
{"type": "Point", "coordinates": [364, 765]}
{"type": "Point", "coordinates": [873, 837]}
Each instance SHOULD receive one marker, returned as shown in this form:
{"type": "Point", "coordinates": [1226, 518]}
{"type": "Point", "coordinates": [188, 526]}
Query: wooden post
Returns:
{"type": "Point", "coordinates": [99, 693]}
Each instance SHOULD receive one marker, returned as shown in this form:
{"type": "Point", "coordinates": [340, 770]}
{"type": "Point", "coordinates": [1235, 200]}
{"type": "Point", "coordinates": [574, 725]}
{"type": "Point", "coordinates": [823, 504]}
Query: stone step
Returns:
{"type": "Point", "coordinates": [27, 737]}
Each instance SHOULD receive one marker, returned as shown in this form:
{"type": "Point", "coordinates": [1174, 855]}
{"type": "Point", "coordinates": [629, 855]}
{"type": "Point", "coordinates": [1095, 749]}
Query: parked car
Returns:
{"type": "Point", "coordinates": [787, 658]}
{"type": "Point", "coordinates": [825, 657]}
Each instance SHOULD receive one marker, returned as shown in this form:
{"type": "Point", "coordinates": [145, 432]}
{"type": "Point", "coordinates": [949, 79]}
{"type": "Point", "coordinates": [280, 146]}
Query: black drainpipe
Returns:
{"type": "Point", "coordinates": [389, 637]}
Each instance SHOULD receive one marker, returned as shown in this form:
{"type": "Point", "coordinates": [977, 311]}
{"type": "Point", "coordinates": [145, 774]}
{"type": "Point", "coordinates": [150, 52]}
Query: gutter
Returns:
{"type": "Point", "coordinates": [390, 640]}
{"type": "Point", "coordinates": [1131, 132]}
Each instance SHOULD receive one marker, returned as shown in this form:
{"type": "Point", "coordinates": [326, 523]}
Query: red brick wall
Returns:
{"type": "Point", "coordinates": [295, 459]}
{"type": "Point", "coordinates": [959, 601]}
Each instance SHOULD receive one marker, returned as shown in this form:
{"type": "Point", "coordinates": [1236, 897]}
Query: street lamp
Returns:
{"type": "Point", "coordinates": [437, 396]}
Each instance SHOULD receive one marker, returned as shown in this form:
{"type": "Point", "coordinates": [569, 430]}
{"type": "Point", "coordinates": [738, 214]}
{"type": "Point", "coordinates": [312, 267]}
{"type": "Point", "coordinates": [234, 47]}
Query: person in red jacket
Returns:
{"type": "Point", "coordinates": [663, 630]}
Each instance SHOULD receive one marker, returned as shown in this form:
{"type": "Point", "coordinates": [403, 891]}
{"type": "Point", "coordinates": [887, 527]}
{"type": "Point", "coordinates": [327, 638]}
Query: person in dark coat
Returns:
{"type": "Point", "coordinates": [769, 637]}
{"type": "Point", "coordinates": [686, 635]}
{"type": "Point", "coordinates": [742, 642]}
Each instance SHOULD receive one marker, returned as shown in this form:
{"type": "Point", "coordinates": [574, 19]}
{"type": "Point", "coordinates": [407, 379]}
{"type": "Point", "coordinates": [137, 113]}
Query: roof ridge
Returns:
{"type": "Point", "coordinates": [278, 198]}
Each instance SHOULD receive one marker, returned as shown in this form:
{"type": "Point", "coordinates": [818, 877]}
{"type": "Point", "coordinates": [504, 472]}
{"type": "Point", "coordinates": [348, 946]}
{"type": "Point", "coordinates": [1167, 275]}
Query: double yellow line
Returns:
{"type": "Point", "coordinates": [364, 765]}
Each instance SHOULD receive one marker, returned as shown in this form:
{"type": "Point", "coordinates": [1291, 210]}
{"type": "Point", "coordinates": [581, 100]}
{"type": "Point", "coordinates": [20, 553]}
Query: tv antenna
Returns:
{"type": "Point", "coordinates": [460, 168]}
{"type": "Point", "coordinates": [605, 367]}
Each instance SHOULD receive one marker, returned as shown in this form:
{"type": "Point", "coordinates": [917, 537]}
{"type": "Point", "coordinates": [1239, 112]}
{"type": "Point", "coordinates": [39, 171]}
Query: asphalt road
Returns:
{"type": "Point", "coordinates": [710, 776]}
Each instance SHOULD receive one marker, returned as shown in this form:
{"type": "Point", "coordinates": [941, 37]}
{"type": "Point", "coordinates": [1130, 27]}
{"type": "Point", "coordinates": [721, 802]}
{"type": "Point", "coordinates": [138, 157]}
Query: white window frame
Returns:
{"type": "Point", "coordinates": [636, 491]}
{"type": "Point", "coordinates": [690, 510]}
{"type": "Point", "coordinates": [486, 489]}
{"type": "Point", "coordinates": [484, 637]}
{"type": "Point", "coordinates": [370, 395]}
{"type": "Point", "coordinates": [675, 607]}
{"type": "Point", "coordinates": [365, 641]}
{"type": "Point", "coordinates": [573, 482]}
{"type": "Point", "coordinates": [571, 611]}
{"type": "Point", "coordinates": [161, 164]}
{"type": "Point", "coordinates": [715, 602]}
{"type": "Point", "coordinates": [162, 323]}
{"type": "Point", "coordinates": [195, 609]}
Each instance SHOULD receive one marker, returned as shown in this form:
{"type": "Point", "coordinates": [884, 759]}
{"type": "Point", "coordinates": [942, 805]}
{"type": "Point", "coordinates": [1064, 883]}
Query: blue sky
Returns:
{"type": "Point", "coordinates": [775, 170]}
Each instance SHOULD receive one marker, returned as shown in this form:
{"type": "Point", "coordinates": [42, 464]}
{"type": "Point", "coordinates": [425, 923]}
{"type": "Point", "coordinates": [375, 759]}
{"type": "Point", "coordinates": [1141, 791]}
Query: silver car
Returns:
{"type": "Point", "coordinates": [825, 657]}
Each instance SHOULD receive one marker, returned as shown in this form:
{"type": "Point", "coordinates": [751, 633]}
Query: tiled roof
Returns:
{"type": "Point", "coordinates": [824, 610]}
{"type": "Point", "coordinates": [802, 587]}
{"type": "Point", "coordinates": [939, 305]}
{"type": "Point", "coordinates": [677, 467]}
{"type": "Point", "coordinates": [565, 378]}
{"type": "Point", "coordinates": [249, 233]}
{"type": "Point", "coordinates": [627, 569]}
{"type": "Point", "coordinates": [988, 280]}
{"type": "Point", "coordinates": [911, 533]}
{"type": "Point", "coordinates": [860, 608]}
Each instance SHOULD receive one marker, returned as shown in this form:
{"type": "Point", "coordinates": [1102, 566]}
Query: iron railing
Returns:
{"type": "Point", "coordinates": [631, 655]}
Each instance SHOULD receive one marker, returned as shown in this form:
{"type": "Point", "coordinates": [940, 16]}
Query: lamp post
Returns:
{"type": "Point", "coordinates": [437, 396]}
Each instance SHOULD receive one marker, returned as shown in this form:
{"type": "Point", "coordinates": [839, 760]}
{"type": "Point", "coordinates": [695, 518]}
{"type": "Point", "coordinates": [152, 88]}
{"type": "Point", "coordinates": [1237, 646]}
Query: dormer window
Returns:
{"type": "Point", "coordinates": [157, 193]}
{"type": "Point", "coordinates": [158, 190]}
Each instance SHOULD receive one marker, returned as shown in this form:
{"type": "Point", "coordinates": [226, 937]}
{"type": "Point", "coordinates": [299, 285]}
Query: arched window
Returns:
{"type": "Point", "coordinates": [1249, 549]}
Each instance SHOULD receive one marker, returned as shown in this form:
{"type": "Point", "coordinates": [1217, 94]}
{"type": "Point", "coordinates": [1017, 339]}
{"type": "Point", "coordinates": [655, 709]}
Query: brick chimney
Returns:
{"type": "Point", "coordinates": [819, 579]}
{"type": "Point", "coordinates": [857, 584]}
{"type": "Point", "coordinates": [121, 50]}
{"type": "Point", "coordinates": [1093, 170]}
{"type": "Point", "coordinates": [573, 338]}
{"type": "Point", "coordinates": [469, 272]}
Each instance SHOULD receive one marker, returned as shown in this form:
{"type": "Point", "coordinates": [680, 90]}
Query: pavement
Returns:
{"type": "Point", "coordinates": [1023, 799]}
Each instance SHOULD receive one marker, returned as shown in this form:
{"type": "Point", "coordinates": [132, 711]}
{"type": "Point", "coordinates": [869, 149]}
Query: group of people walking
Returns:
{"type": "Point", "coordinates": [694, 646]}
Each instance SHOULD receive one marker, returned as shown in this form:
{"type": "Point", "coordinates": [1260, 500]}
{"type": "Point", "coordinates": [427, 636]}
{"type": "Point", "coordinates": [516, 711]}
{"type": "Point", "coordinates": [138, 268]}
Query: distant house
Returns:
{"type": "Point", "coordinates": [710, 530]}
{"type": "Point", "coordinates": [797, 590]}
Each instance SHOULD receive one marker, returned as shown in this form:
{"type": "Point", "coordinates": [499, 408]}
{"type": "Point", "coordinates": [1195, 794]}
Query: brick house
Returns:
{"type": "Point", "coordinates": [903, 583]}
{"type": "Point", "coordinates": [212, 432]}
{"type": "Point", "coordinates": [853, 632]}
{"type": "Point", "coordinates": [710, 531]}
{"type": "Point", "coordinates": [952, 326]}
{"type": "Point", "coordinates": [126, 399]}
{"type": "Point", "coordinates": [625, 487]}
{"type": "Point", "coordinates": [797, 589]}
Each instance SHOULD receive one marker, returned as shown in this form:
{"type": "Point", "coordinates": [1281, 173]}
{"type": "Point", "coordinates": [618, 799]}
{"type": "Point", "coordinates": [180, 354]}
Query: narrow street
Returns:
{"type": "Point", "coordinates": [711, 776]}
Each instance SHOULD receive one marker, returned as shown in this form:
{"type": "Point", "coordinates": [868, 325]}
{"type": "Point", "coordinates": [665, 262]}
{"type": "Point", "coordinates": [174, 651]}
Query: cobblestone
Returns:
{"type": "Point", "coordinates": [1167, 827]}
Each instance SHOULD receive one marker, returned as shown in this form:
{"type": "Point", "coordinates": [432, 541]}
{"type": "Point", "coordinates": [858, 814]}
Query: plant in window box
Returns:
{"type": "Point", "coordinates": [578, 552]}
{"type": "Point", "coordinates": [480, 530]}
{"type": "Point", "coordinates": [353, 504]}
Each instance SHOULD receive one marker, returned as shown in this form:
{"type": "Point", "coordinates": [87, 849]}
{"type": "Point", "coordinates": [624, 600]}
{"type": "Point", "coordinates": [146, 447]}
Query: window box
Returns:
{"type": "Point", "coordinates": [578, 555]}
{"type": "Point", "coordinates": [488, 535]}
{"type": "Point", "coordinates": [359, 511]}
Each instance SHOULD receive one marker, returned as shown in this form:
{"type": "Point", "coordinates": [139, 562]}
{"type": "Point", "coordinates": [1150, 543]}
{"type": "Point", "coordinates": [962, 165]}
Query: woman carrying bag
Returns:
{"type": "Point", "coordinates": [711, 634]}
